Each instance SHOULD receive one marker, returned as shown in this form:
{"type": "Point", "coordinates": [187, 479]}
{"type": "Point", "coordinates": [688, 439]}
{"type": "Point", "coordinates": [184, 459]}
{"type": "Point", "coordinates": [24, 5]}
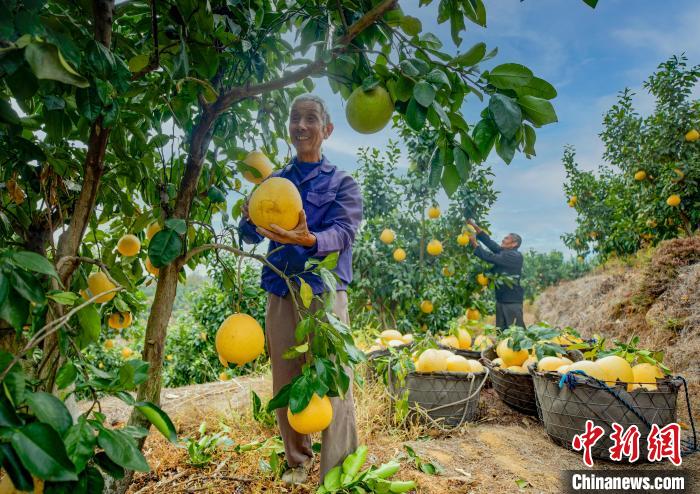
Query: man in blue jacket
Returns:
{"type": "Point", "coordinates": [506, 259]}
{"type": "Point", "coordinates": [331, 214]}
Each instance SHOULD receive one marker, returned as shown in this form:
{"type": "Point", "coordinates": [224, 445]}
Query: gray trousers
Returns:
{"type": "Point", "coordinates": [340, 438]}
{"type": "Point", "coordinates": [507, 314]}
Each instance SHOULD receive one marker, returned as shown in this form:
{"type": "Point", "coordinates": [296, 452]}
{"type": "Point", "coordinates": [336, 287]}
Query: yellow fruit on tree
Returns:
{"type": "Point", "coordinates": [615, 369]}
{"type": "Point", "coordinates": [463, 239]}
{"type": "Point", "coordinates": [431, 360]}
{"type": "Point", "coordinates": [152, 229]}
{"type": "Point", "coordinates": [223, 376]}
{"type": "Point", "coordinates": [99, 283]}
{"type": "Point", "coordinates": [473, 314]}
{"type": "Point", "coordinates": [369, 111]}
{"type": "Point", "coordinates": [151, 268]}
{"type": "Point", "coordinates": [509, 356]}
{"type": "Point", "coordinates": [472, 230]}
{"type": "Point", "coordinates": [450, 341]}
{"type": "Point", "coordinates": [464, 338]}
{"type": "Point", "coordinates": [399, 255]}
{"type": "Point", "coordinates": [457, 363]}
{"type": "Point", "coordinates": [673, 200]}
{"type": "Point", "coordinates": [127, 352]}
{"type": "Point", "coordinates": [572, 201]}
{"type": "Point", "coordinates": [640, 175]}
{"type": "Point", "coordinates": [434, 247]}
{"type": "Point", "coordinates": [590, 368]}
{"type": "Point", "coordinates": [119, 320]}
{"type": "Point", "coordinates": [169, 358]}
{"type": "Point", "coordinates": [548, 364]}
{"type": "Point", "coordinates": [129, 245]}
{"type": "Point", "coordinates": [239, 340]}
{"type": "Point", "coordinates": [317, 415]}
{"type": "Point", "coordinates": [389, 334]}
{"type": "Point", "coordinates": [644, 376]}
{"type": "Point", "coordinates": [275, 201]}
{"type": "Point", "coordinates": [259, 161]}
{"type": "Point", "coordinates": [482, 342]}
{"type": "Point", "coordinates": [426, 306]}
{"type": "Point", "coordinates": [433, 212]}
{"type": "Point", "coordinates": [387, 236]}
{"type": "Point", "coordinates": [482, 279]}
{"type": "Point", "coordinates": [692, 135]}
{"type": "Point", "coordinates": [109, 344]}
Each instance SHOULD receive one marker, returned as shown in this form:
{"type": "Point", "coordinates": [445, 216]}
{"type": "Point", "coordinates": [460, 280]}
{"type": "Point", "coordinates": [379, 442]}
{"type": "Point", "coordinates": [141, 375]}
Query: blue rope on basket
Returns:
{"type": "Point", "coordinates": [569, 379]}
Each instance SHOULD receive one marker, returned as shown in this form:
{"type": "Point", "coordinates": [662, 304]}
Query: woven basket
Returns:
{"type": "Point", "coordinates": [443, 399]}
{"type": "Point", "coordinates": [515, 390]}
{"type": "Point", "coordinates": [565, 409]}
{"type": "Point", "coordinates": [469, 354]}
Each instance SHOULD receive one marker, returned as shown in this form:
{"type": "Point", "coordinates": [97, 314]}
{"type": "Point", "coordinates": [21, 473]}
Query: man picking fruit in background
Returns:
{"type": "Point", "coordinates": [506, 259]}
{"type": "Point", "coordinates": [328, 221]}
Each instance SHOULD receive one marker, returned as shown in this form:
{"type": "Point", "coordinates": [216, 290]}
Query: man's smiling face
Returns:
{"type": "Point", "coordinates": [308, 129]}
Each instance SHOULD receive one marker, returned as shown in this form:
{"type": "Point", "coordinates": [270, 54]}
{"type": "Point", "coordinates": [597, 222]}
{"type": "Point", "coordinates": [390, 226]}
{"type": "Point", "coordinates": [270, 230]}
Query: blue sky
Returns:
{"type": "Point", "coordinates": [588, 55]}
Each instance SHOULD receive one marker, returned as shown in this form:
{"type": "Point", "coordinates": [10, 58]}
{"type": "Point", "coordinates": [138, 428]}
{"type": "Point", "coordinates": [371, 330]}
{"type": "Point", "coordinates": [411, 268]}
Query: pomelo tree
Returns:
{"type": "Point", "coordinates": [116, 117]}
{"type": "Point", "coordinates": [648, 189]}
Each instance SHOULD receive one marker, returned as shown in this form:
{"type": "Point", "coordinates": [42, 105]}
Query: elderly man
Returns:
{"type": "Point", "coordinates": [331, 214]}
{"type": "Point", "coordinates": [506, 259]}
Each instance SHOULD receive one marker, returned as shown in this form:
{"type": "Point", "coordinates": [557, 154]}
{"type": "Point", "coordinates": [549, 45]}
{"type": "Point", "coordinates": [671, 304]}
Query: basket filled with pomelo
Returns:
{"type": "Point", "coordinates": [625, 388]}
{"type": "Point", "coordinates": [444, 389]}
{"type": "Point", "coordinates": [378, 354]}
{"type": "Point", "coordinates": [509, 361]}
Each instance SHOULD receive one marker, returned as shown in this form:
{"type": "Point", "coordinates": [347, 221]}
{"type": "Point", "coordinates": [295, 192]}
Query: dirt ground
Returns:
{"type": "Point", "coordinates": [487, 456]}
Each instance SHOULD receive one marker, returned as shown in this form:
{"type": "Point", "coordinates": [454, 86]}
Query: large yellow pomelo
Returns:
{"type": "Point", "coordinates": [433, 212]}
{"type": "Point", "coordinates": [426, 306]}
{"type": "Point", "coordinates": [99, 283]}
{"type": "Point", "coordinates": [389, 334]}
{"type": "Point", "coordinates": [275, 201]}
{"type": "Point", "coordinates": [615, 368]}
{"type": "Point", "coordinates": [450, 341]}
{"type": "Point", "coordinates": [644, 376]}
{"type": "Point", "coordinates": [119, 320]}
{"type": "Point", "coordinates": [563, 369]}
{"type": "Point", "coordinates": [549, 364]}
{"type": "Point", "coordinates": [530, 360]}
{"type": "Point", "coordinates": [473, 314]}
{"type": "Point", "coordinates": [640, 175]}
{"type": "Point", "coordinates": [673, 200]}
{"type": "Point", "coordinates": [572, 201]}
{"type": "Point", "coordinates": [509, 356]}
{"type": "Point", "coordinates": [239, 340]}
{"type": "Point", "coordinates": [258, 160]}
{"type": "Point", "coordinates": [399, 255]}
{"type": "Point", "coordinates": [692, 135]}
{"type": "Point", "coordinates": [369, 111]}
{"type": "Point", "coordinates": [152, 229]}
{"type": "Point", "coordinates": [431, 360]}
{"type": "Point", "coordinates": [482, 279]}
{"type": "Point", "coordinates": [465, 339]}
{"type": "Point", "coordinates": [590, 368]}
{"type": "Point", "coordinates": [463, 239]}
{"type": "Point", "coordinates": [457, 363]}
{"type": "Point", "coordinates": [434, 247]}
{"type": "Point", "coordinates": [387, 236]}
{"type": "Point", "coordinates": [317, 415]}
{"type": "Point", "coordinates": [129, 245]}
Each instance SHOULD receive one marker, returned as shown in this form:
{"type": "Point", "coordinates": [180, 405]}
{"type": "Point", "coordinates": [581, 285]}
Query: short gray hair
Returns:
{"type": "Point", "coordinates": [316, 99]}
{"type": "Point", "coordinates": [517, 238]}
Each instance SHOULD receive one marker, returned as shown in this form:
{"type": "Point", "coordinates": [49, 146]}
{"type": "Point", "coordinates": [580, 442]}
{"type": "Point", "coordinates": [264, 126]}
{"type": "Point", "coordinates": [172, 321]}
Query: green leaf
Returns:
{"type": "Point", "coordinates": [415, 115]}
{"type": "Point", "coordinates": [408, 68]}
{"type": "Point", "coordinates": [537, 87]}
{"type": "Point", "coordinates": [64, 298]}
{"type": "Point", "coordinates": [4, 288]}
{"type": "Point", "coordinates": [108, 466]}
{"type": "Point", "coordinates": [41, 450]}
{"type": "Point", "coordinates": [8, 416]}
{"type": "Point", "coordinates": [424, 93]}
{"type": "Point", "coordinates": [31, 261]}
{"type": "Point", "coordinates": [132, 373]}
{"type": "Point", "coordinates": [530, 138]}
{"type": "Point", "coordinates": [484, 135]}
{"type": "Point", "coordinates": [50, 410]}
{"type": "Point", "coordinates": [461, 163]}
{"type": "Point", "coordinates": [15, 309]}
{"type": "Point", "coordinates": [46, 63]}
{"type": "Point", "coordinates": [330, 261]}
{"type": "Point", "coordinates": [122, 449]}
{"type": "Point", "coordinates": [306, 292]}
{"type": "Point", "coordinates": [450, 179]}
{"type": "Point", "coordinates": [537, 110]}
{"type": "Point", "coordinates": [438, 77]}
{"type": "Point", "coordinates": [138, 63]}
{"type": "Point", "coordinates": [510, 76]}
{"type": "Point", "coordinates": [472, 56]}
{"type": "Point", "coordinates": [20, 476]}
{"type": "Point", "coordinates": [506, 113]}
{"type": "Point", "coordinates": [7, 114]}
{"type": "Point", "coordinates": [177, 224]}
{"type": "Point", "coordinates": [66, 375]}
{"type": "Point", "coordinates": [27, 286]}
{"type": "Point", "coordinates": [90, 325]}
{"type": "Point", "coordinates": [164, 248]}
{"type": "Point", "coordinates": [159, 419]}
{"type": "Point", "coordinates": [281, 399]}
{"type": "Point", "coordinates": [300, 395]}
{"type": "Point", "coordinates": [591, 3]}
{"type": "Point", "coordinates": [506, 148]}
{"type": "Point", "coordinates": [215, 194]}
{"type": "Point", "coordinates": [80, 443]}
{"type": "Point", "coordinates": [89, 103]}
{"type": "Point", "coordinates": [303, 329]}
{"type": "Point", "coordinates": [411, 25]}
